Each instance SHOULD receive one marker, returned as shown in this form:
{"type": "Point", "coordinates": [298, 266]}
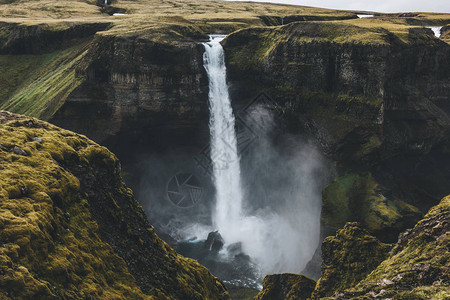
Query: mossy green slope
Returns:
{"type": "Point", "coordinates": [286, 286]}
{"type": "Point", "coordinates": [53, 240]}
{"type": "Point", "coordinates": [37, 85]}
{"type": "Point", "coordinates": [50, 242]}
{"type": "Point", "coordinates": [347, 258]}
{"type": "Point", "coordinates": [418, 266]}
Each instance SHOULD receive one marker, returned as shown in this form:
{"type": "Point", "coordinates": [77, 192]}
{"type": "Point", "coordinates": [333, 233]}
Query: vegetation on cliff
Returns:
{"type": "Point", "coordinates": [361, 87]}
{"type": "Point", "coordinates": [418, 265]}
{"type": "Point", "coordinates": [348, 258]}
{"type": "Point", "coordinates": [71, 229]}
{"type": "Point", "coordinates": [359, 198]}
{"type": "Point", "coordinates": [37, 85]}
{"type": "Point", "coordinates": [286, 286]}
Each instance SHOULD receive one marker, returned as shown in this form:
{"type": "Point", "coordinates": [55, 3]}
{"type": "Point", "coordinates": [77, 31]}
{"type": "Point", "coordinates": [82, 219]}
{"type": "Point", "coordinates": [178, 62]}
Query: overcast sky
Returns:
{"type": "Point", "coordinates": [375, 5]}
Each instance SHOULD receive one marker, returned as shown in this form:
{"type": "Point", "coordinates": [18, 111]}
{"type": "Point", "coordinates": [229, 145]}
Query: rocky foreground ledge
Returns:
{"type": "Point", "coordinates": [358, 266]}
{"type": "Point", "coordinates": [71, 229]}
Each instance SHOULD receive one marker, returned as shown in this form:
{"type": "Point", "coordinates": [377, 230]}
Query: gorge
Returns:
{"type": "Point", "coordinates": [314, 141]}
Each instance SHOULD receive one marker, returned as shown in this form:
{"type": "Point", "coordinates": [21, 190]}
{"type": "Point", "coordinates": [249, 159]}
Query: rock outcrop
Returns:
{"type": "Point", "coordinates": [286, 286]}
{"type": "Point", "coordinates": [347, 258]}
{"type": "Point", "coordinates": [71, 229]}
{"type": "Point", "coordinates": [418, 266]}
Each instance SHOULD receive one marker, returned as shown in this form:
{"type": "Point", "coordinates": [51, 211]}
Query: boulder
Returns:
{"type": "Point", "coordinates": [214, 242]}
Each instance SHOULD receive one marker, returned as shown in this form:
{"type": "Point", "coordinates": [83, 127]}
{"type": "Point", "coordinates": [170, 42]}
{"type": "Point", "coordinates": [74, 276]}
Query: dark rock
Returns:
{"type": "Point", "coordinates": [235, 249]}
{"type": "Point", "coordinates": [24, 190]}
{"type": "Point", "coordinates": [286, 286]}
{"type": "Point", "coordinates": [135, 87]}
{"type": "Point", "coordinates": [3, 148]}
{"type": "Point", "coordinates": [214, 242]}
{"type": "Point", "coordinates": [19, 151]}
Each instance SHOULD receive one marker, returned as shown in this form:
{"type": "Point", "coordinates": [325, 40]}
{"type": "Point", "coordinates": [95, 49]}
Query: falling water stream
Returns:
{"type": "Point", "coordinates": [265, 237]}
{"type": "Point", "coordinates": [224, 152]}
{"type": "Point", "coordinates": [267, 206]}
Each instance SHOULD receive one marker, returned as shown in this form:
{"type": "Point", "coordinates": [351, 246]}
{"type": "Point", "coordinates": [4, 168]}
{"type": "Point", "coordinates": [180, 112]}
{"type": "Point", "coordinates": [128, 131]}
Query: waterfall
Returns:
{"type": "Point", "coordinates": [436, 30]}
{"type": "Point", "coordinates": [224, 153]}
{"type": "Point", "coordinates": [280, 235]}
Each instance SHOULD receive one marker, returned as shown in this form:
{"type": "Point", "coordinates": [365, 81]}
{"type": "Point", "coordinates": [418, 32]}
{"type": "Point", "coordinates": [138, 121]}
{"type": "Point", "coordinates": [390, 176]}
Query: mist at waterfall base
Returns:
{"type": "Point", "coordinates": [264, 197]}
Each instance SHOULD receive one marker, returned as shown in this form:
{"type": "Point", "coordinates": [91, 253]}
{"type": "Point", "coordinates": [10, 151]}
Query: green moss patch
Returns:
{"type": "Point", "coordinates": [70, 228]}
{"type": "Point", "coordinates": [347, 258]}
{"type": "Point", "coordinates": [50, 242]}
{"type": "Point", "coordinates": [418, 265]}
{"type": "Point", "coordinates": [353, 197]}
{"type": "Point", "coordinates": [286, 286]}
{"type": "Point", "coordinates": [37, 85]}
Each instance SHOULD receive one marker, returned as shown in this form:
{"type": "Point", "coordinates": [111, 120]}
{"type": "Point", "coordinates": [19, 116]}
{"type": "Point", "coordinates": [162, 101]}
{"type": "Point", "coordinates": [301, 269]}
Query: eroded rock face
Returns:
{"type": "Point", "coordinates": [347, 258]}
{"type": "Point", "coordinates": [135, 87]}
{"type": "Point", "coordinates": [70, 228]}
{"type": "Point", "coordinates": [286, 286]}
{"type": "Point", "coordinates": [376, 101]}
{"type": "Point", "coordinates": [366, 96]}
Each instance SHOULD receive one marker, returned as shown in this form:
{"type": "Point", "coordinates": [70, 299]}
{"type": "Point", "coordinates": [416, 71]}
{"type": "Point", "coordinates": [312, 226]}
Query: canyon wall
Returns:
{"type": "Point", "coordinates": [377, 101]}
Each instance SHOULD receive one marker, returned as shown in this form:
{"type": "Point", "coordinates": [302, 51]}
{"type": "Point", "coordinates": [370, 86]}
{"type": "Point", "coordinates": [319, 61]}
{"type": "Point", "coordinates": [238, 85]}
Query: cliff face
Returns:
{"type": "Point", "coordinates": [134, 84]}
{"type": "Point", "coordinates": [142, 72]}
{"type": "Point", "coordinates": [358, 87]}
{"type": "Point", "coordinates": [70, 228]}
{"type": "Point", "coordinates": [374, 95]}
